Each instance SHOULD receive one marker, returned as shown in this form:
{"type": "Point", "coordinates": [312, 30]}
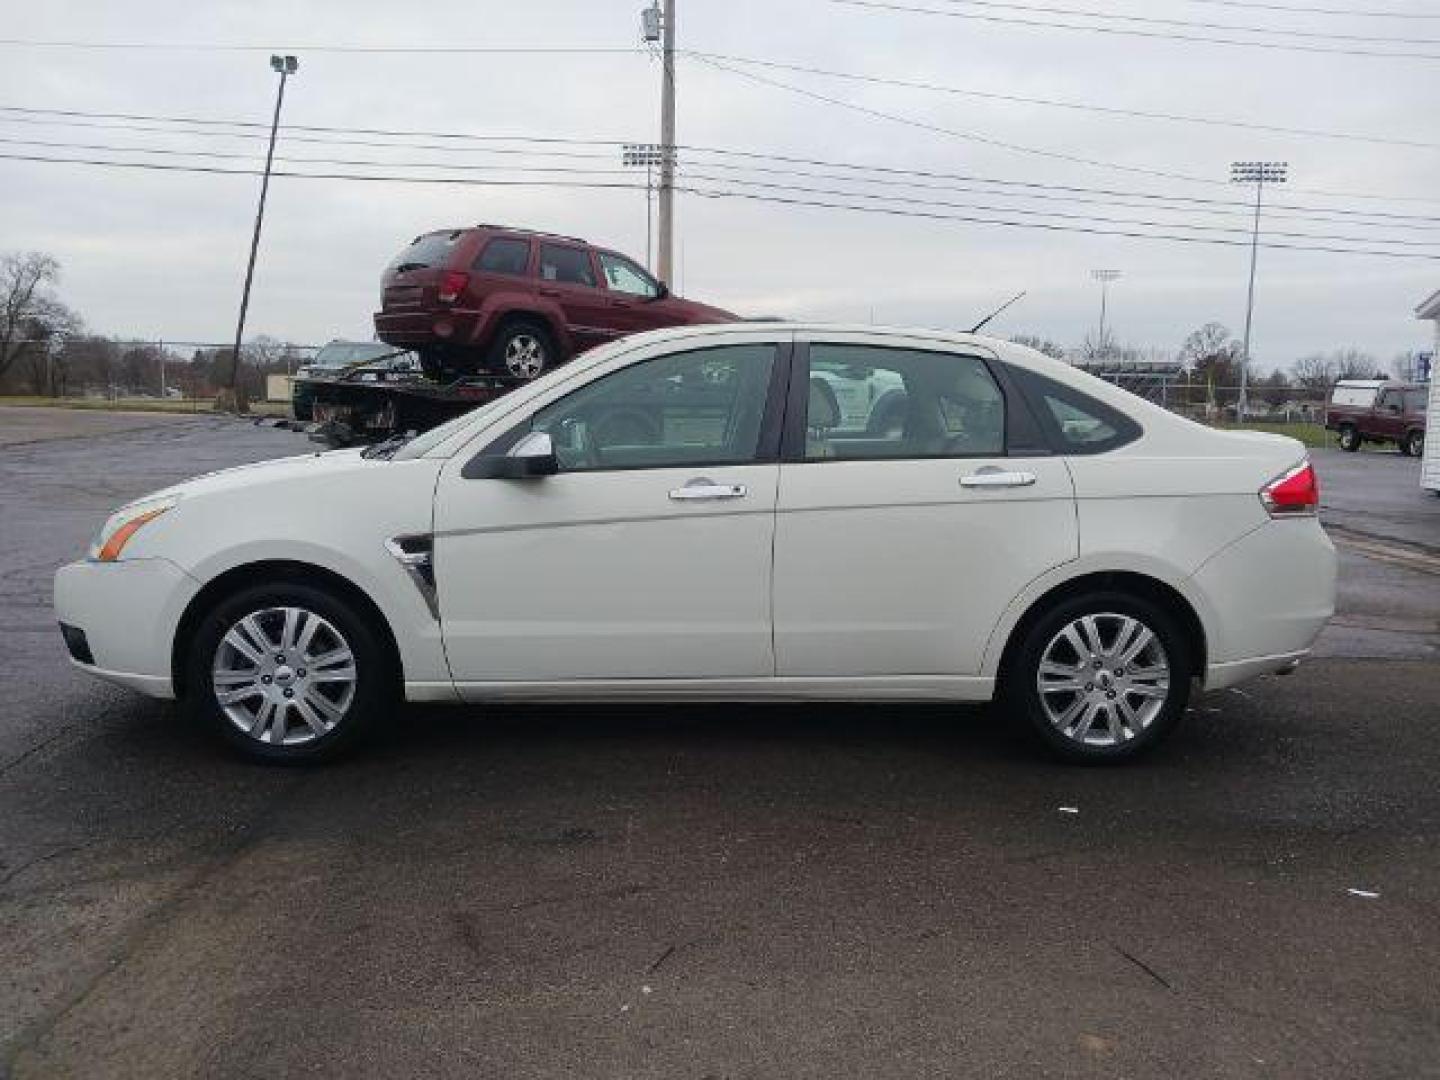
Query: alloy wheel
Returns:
{"type": "Point", "coordinates": [1103, 679]}
{"type": "Point", "coordinates": [284, 676]}
{"type": "Point", "coordinates": [525, 356]}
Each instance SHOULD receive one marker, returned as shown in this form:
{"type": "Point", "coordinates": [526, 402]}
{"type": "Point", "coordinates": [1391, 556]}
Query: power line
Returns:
{"type": "Point", "coordinates": [716, 193]}
{"type": "Point", "coordinates": [555, 170]}
{"type": "Point", "coordinates": [326, 136]}
{"type": "Point", "coordinates": [397, 50]}
{"type": "Point", "coordinates": [884, 5]}
{"type": "Point", "coordinates": [560, 170]}
{"type": "Point", "coordinates": [1074, 105]}
{"type": "Point", "coordinates": [1302, 10]}
{"type": "Point", "coordinates": [1038, 151]}
{"type": "Point", "coordinates": [1190, 24]}
{"type": "Point", "coordinates": [323, 135]}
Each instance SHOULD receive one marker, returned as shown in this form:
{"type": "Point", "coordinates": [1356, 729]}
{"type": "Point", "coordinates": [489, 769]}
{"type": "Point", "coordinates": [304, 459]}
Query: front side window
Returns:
{"type": "Point", "coordinates": [1415, 401]}
{"type": "Point", "coordinates": [566, 265]}
{"type": "Point", "coordinates": [504, 255]}
{"type": "Point", "coordinates": [624, 276]}
{"type": "Point", "coordinates": [868, 402]}
{"type": "Point", "coordinates": [703, 407]}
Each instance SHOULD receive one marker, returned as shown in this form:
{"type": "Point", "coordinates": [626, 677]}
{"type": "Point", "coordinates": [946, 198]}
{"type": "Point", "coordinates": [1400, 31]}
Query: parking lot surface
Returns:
{"type": "Point", "coordinates": [718, 891]}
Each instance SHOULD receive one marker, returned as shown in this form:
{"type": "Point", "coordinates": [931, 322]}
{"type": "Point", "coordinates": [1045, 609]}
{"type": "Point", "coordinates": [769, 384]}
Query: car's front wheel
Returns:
{"type": "Point", "coordinates": [1349, 439]}
{"type": "Point", "coordinates": [1414, 444]}
{"type": "Point", "coordinates": [1101, 677]}
{"type": "Point", "coordinates": [289, 673]}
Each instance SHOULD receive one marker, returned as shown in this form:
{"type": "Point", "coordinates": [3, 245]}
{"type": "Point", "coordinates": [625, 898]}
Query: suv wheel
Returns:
{"type": "Point", "coordinates": [1101, 678]}
{"type": "Point", "coordinates": [522, 350]}
{"type": "Point", "coordinates": [1414, 444]}
{"type": "Point", "coordinates": [1349, 439]}
{"type": "Point", "coordinates": [288, 673]}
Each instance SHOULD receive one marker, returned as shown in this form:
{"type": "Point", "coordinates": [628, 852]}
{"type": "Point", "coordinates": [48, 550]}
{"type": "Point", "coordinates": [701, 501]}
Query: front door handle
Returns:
{"type": "Point", "coordinates": [703, 487]}
{"type": "Point", "coordinates": [551, 292]}
{"type": "Point", "coordinates": [991, 477]}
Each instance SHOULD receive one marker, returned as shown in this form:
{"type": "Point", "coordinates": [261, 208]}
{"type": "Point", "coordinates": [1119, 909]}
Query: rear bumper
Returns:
{"type": "Point", "coordinates": [416, 328]}
{"type": "Point", "coordinates": [128, 612]}
{"type": "Point", "coordinates": [1270, 594]}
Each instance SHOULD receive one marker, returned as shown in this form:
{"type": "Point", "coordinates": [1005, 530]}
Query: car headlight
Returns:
{"type": "Point", "coordinates": [125, 523]}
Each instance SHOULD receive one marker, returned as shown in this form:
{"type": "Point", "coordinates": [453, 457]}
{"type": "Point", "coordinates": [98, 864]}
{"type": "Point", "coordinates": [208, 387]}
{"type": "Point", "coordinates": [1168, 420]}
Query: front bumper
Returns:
{"type": "Point", "coordinates": [128, 612]}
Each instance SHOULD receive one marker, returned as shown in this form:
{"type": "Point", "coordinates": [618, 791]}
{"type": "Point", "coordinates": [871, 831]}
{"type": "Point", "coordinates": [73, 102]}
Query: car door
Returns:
{"type": "Point", "coordinates": [916, 501]}
{"type": "Point", "coordinates": [647, 555]}
{"type": "Point", "coordinates": [633, 295]}
{"type": "Point", "coordinates": [568, 279]}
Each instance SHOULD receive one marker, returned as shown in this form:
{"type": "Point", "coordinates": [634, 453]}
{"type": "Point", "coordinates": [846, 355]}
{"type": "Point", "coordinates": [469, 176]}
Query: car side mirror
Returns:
{"type": "Point", "coordinates": [661, 291]}
{"type": "Point", "coordinates": [532, 457]}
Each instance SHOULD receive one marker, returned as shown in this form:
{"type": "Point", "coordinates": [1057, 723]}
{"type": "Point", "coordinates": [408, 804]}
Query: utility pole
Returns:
{"type": "Point", "coordinates": [285, 66]}
{"type": "Point", "coordinates": [1104, 277]}
{"type": "Point", "coordinates": [667, 144]}
{"type": "Point", "coordinates": [1258, 173]}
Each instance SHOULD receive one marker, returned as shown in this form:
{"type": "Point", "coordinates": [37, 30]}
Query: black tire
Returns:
{"type": "Point", "coordinates": [1414, 444]}
{"type": "Point", "coordinates": [527, 337]}
{"type": "Point", "coordinates": [1349, 439]}
{"type": "Point", "coordinates": [1022, 696]}
{"type": "Point", "coordinates": [373, 692]}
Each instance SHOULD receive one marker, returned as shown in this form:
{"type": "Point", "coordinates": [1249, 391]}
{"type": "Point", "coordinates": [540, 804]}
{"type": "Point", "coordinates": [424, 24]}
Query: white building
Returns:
{"type": "Point", "coordinates": [1430, 469]}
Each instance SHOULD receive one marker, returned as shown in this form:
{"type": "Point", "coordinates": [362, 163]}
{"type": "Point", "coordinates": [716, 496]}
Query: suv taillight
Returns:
{"type": "Point", "coordinates": [1296, 491]}
{"type": "Point", "coordinates": [452, 285]}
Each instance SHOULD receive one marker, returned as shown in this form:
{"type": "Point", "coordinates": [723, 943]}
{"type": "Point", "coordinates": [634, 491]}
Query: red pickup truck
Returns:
{"type": "Point", "coordinates": [1378, 411]}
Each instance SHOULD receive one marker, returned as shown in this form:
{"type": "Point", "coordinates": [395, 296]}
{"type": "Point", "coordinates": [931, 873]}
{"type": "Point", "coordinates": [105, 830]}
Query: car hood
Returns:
{"type": "Point", "coordinates": [307, 466]}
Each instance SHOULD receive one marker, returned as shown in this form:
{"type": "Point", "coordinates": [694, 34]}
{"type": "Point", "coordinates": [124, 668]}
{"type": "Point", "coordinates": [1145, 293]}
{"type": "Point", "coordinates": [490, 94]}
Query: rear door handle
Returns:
{"type": "Point", "coordinates": [992, 477]}
{"type": "Point", "coordinates": [705, 488]}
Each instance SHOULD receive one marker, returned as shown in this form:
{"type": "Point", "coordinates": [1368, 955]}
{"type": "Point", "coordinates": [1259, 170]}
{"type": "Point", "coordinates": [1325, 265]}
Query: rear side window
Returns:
{"type": "Point", "coordinates": [426, 251]}
{"type": "Point", "coordinates": [504, 255]}
{"type": "Point", "coordinates": [1075, 422]}
{"type": "Point", "coordinates": [566, 265]}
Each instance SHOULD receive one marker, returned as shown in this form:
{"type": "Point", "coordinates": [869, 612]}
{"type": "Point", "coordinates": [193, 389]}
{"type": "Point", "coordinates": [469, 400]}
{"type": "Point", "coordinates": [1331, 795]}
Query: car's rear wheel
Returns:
{"type": "Point", "coordinates": [1349, 439]}
{"type": "Point", "coordinates": [1101, 678]}
{"type": "Point", "coordinates": [1414, 444]}
{"type": "Point", "coordinates": [522, 350]}
{"type": "Point", "coordinates": [289, 673]}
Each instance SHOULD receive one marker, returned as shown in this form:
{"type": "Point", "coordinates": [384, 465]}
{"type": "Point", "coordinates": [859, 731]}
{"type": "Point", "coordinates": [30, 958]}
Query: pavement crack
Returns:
{"type": "Point", "coordinates": [1144, 967]}
{"type": "Point", "coordinates": [669, 952]}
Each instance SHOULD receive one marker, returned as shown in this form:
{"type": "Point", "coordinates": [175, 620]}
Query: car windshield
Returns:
{"type": "Point", "coordinates": [343, 353]}
{"type": "Point", "coordinates": [423, 444]}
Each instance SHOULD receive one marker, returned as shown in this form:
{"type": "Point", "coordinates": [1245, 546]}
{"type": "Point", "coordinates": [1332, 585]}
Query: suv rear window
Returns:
{"type": "Point", "coordinates": [432, 249]}
{"type": "Point", "coordinates": [567, 265]}
{"type": "Point", "coordinates": [504, 255]}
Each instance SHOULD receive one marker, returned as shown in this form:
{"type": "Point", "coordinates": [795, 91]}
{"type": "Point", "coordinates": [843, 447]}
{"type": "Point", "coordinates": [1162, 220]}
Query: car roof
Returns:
{"type": "Point", "coordinates": [516, 230]}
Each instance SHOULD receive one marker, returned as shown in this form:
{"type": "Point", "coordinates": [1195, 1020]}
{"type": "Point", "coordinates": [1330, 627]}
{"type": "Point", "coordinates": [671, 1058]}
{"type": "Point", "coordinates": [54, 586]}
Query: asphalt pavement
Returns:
{"type": "Point", "coordinates": [718, 891]}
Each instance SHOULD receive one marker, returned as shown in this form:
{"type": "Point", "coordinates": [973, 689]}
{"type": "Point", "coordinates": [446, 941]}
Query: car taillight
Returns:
{"type": "Point", "coordinates": [452, 285]}
{"type": "Point", "coordinates": [1296, 491]}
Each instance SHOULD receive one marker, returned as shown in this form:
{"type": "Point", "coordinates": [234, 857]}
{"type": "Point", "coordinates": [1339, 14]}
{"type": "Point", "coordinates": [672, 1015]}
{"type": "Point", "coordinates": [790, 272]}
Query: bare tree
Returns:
{"type": "Point", "coordinates": [29, 315]}
{"type": "Point", "coordinates": [1040, 344]}
{"type": "Point", "coordinates": [1406, 366]}
{"type": "Point", "coordinates": [1352, 363]}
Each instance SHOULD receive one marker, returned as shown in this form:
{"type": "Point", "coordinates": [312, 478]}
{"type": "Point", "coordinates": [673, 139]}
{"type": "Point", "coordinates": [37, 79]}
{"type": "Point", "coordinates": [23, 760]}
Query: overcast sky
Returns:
{"type": "Point", "coordinates": [156, 254]}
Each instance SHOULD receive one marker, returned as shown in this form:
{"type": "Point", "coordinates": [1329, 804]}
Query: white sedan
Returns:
{"type": "Point", "coordinates": [692, 514]}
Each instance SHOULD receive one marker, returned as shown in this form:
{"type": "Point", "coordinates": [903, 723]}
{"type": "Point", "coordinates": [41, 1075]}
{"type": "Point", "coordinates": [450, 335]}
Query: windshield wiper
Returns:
{"type": "Point", "coordinates": [386, 448]}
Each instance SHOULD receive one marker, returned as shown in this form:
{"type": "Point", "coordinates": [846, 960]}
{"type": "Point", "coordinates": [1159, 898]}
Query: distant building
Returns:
{"type": "Point", "coordinates": [1430, 309]}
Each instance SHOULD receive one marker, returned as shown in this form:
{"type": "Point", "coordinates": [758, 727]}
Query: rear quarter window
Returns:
{"type": "Point", "coordinates": [1073, 421]}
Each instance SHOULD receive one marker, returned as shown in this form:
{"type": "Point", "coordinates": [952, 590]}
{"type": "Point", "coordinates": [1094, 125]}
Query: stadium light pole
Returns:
{"type": "Point", "coordinates": [648, 155]}
{"type": "Point", "coordinates": [1258, 173]}
{"type": "Point", "coordinates": [1104, 277]}
{"type": "Point", "coordinates": [284, 66]}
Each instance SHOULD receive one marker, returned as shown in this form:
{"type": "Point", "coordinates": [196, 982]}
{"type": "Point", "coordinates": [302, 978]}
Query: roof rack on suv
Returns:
{"type": "Point", "coordinates": [530, 232]}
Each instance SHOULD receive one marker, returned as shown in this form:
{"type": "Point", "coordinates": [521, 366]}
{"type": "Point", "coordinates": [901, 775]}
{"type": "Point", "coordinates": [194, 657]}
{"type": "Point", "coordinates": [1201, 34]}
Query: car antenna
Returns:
{"type": "Point", "coordinates": [976, 328]}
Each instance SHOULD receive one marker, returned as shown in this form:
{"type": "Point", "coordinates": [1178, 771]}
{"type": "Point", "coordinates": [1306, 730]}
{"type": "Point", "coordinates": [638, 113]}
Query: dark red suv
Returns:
{"type": "Point", "coordinates": [518, 302]}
